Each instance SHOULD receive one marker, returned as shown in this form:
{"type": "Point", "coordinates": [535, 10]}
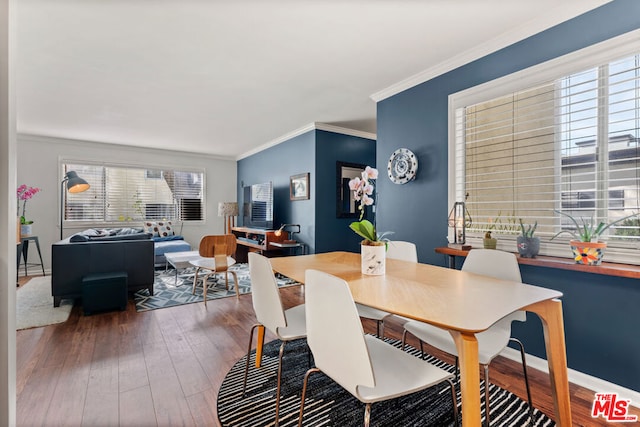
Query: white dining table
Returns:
{"type": "Point", "coordinates": [461, 302]}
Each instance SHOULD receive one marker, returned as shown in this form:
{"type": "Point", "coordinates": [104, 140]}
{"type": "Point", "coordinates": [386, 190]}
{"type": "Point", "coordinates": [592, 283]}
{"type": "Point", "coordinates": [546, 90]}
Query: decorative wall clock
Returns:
{"type": "Point", "coordinates": [402, 167]}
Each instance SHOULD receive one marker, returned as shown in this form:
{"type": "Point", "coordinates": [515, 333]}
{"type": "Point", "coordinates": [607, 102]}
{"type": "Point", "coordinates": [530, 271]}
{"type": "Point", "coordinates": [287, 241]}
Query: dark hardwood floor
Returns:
{"type": "Point", "coordinates": [164, 367]}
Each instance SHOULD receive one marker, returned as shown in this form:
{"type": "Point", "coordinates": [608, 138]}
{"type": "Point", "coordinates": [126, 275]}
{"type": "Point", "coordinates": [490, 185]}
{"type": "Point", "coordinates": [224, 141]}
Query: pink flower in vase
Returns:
{"type": "Point", "coordinates": [25, 193]}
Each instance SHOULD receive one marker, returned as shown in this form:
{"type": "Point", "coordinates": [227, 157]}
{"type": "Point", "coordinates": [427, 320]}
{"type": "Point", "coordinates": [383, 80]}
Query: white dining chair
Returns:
{"type": "Point", "coordinates": [493, 263]}
{"type": "Point", "coordinates": [405, 251]}
{"type": "Point", "coordinates": [368, 368]}
{"type": "Point", "coordinates": [287, 325]}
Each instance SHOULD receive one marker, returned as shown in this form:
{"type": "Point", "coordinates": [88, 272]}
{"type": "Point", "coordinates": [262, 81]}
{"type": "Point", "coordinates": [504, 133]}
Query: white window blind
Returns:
{"type": "Point", "coordinates": [124, 194]}
{"type": "Point", "coordinates": [570, 144]}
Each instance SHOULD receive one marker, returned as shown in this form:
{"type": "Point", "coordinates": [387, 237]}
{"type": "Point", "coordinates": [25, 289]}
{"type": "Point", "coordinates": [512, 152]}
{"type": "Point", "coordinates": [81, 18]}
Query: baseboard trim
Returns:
{"type": "Point", "coordinates": [576, 377]}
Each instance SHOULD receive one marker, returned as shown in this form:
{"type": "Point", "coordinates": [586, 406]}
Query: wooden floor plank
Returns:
{"type": "Point", "coordinates": [33, 403]}
{"type": "Point", "coordinates": [69, 398]}
{"type": "Point", "coordinates": [192, 377]}
{"type": "Point", "coordinates": [136, 408]}
{"type": "Point", "coordinates": [132, 369]}
{"type": "Point", "coordinates": [102, 402]}
{"type": "Point", "coordinates": [203, 408]}
{"type": "Point", "coordinates": [169, 401]}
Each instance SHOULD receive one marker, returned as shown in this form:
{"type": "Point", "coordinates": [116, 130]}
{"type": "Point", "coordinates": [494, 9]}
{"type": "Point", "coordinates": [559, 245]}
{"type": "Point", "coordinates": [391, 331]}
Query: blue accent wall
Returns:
{"type": "Point", "coordinates": [315, 152]}
{"type": "Point", "coordinates": [333, 233]}
{"type": "Point", "coordinates": [277, 164]}
{"type": "Point", "coordinates": [601, 312]}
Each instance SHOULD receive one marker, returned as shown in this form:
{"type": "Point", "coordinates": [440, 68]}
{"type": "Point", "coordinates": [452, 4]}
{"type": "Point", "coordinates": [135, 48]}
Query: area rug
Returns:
{"type": "Point", "coordinates": [328, 404]}
{"type": "Point", "coordinates": [34, 305]}
{"type": "Point", "coordinates": [169, 290]}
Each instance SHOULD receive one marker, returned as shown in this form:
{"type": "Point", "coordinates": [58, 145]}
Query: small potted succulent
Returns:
{"type": "Point", "coordinates": [489, 242]}
{"type": "Point", "coordinates": [586, 247]}
{"type": "Point", "coordinates": [528, 244]}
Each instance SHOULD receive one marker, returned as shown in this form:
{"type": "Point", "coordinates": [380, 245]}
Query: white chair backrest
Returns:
{"type": "Point", "coordinates": [334, 332]}
{"type": "Point", "coordinates": [493, 263]}
{"type": "Point", "coordinates": [264, 293]}
{"type": "Point", "coordinates": [405, 251]}
{"type": "Point", "coordinates": [498, 264]}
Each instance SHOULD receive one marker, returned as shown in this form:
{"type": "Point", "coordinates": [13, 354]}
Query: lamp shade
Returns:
{"type": "Point", "coordinates": [75, 184]}
{"type": "Point", "coordinates": [227, 209]}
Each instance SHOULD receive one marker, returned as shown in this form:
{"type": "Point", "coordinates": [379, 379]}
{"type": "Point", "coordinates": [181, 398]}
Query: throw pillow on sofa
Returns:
{"type": "Point", "coordinates": [165, 229]}
{"type": "Point", "coordinates": [151, 227]}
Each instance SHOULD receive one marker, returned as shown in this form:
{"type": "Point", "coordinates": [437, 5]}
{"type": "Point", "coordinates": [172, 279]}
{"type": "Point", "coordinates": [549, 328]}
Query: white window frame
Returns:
{"type": "Point", "coordinates": [624, 45]}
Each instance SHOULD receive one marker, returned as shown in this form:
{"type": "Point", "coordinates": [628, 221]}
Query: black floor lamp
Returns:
{"type": "Point", "coordinates": [75, 184]}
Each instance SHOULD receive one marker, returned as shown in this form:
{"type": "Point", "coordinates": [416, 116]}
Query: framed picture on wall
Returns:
{"type": "Point", "coordinates": [299, 187]}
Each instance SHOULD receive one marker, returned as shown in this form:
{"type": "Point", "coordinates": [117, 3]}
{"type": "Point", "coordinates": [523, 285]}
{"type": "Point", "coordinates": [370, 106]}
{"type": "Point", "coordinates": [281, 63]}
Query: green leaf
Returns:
{"type": "Point", "coordinates": [364, 229]}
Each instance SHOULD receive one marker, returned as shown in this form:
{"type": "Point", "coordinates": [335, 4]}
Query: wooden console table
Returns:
{"type": "Point", "coordinates": [256, 240]}
{"type": "Point", "coordinates": [606, 268]}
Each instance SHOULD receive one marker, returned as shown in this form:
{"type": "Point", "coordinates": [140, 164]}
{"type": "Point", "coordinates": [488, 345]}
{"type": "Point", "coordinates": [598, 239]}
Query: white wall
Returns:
{"type": "Point", "coordinates": [39, 166]}
{"type": "Point", "coordinates": [7, 219]}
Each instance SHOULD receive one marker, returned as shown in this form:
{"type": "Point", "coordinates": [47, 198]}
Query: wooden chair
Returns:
{"type": "Point", "coordinates": [216, 251]}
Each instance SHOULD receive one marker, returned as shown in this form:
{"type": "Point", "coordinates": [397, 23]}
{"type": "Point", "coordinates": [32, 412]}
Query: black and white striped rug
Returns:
{"type": "Point", "coordinates": [170, 289]}
{"type": "Point", "coordinates": [328, 404]}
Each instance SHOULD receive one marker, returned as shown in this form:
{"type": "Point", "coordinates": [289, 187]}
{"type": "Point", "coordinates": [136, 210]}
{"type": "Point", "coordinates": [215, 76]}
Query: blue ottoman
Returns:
{"type": "Point", "coordinates": [104, 291]}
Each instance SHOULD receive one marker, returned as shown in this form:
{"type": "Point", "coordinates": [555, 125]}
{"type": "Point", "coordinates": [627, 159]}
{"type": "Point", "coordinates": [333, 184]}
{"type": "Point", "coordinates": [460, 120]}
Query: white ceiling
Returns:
{"type": "Point", "coordinates": [229, 77]}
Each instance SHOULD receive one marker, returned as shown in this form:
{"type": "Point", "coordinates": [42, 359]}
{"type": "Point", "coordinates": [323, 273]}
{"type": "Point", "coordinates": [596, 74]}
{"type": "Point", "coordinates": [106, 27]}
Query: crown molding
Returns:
{"type": "Point", "coordinates": [307, 128]}
{"type": "Point", "coordinates": [345, 131]}
{"type": "Point", "coordinates": [528, 29]}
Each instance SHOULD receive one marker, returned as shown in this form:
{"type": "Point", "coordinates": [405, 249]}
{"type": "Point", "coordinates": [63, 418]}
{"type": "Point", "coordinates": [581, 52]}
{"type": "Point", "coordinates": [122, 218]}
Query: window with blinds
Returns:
{"type": "Point", "coordinates": [568, 145]}
{"type": "Point", "coordinates": [132, 194]}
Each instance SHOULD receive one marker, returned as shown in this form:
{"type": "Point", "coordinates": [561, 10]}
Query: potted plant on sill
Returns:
{"type": "Point", "coordinates": [501, 224]}
{"type": "Point", "coordinates": [586, 247]}
{"type": "Point", "coordinates": [528, 244]}
{"type": "Point", "coordinates": [374, 246]}
{"type": "Point", "coordinates": [489, 242]}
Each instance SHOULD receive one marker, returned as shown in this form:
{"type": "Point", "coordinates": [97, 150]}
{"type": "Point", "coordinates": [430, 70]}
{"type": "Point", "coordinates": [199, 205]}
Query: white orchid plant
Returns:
{"type": "Point", "coordinates": [363, 192]}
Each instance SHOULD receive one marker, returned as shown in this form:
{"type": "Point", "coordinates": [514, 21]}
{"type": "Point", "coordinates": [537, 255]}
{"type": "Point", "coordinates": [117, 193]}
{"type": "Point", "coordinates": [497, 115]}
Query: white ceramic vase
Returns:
{"type": "Point", "coordinates": [373, 259]}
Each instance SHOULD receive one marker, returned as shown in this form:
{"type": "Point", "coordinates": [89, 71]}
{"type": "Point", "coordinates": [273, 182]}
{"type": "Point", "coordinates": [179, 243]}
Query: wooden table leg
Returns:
{"type": "Point", "coordinates": [259, 346]}
{"type": "Point", "coordinates": [467, 346]}
{"type": "Point", "coordinates": [550, 312]}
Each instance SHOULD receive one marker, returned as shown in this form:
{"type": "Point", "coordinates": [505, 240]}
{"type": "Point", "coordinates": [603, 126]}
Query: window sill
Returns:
{"type": "Point", "coordinates": [606, 268]}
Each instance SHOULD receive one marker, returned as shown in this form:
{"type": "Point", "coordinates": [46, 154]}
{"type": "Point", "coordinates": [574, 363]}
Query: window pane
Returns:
{"type": "Point", "coordinates": [88, 205]}
{"type": "Point", "coordinates": [121, 194]}
{"type": "Point", "coordinates": [570, 145]}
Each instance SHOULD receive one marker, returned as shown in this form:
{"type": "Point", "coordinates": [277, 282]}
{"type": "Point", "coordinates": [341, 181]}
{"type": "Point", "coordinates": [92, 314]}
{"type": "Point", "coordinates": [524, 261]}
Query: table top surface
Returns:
{"type": "Point", "coordinates": [184, 256]}
{"type": "Point", "coordinates": [444, 297]}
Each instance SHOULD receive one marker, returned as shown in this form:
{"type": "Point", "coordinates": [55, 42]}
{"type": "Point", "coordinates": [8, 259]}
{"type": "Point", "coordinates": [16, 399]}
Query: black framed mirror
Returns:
{"type": "Point", "coordinates": [346, 205]}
